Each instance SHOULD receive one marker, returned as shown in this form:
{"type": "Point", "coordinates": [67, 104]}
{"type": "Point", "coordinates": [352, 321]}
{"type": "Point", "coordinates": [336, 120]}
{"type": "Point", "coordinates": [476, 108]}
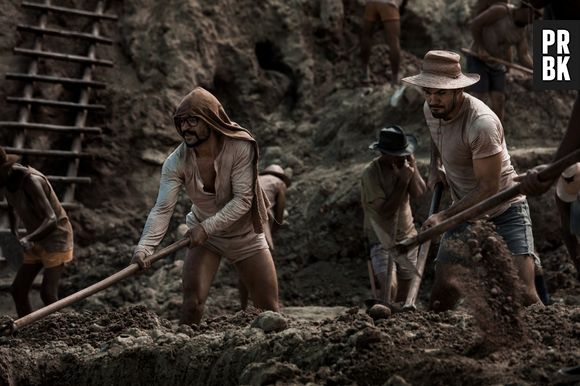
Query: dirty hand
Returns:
{"type": "Point", "coordinates": [139, 258]}
{"type": "Point", "coordinates": [437, 175]}
{"type": "Point", "coordinates": [25, 243]}
{"type": "Point", "coordinates": [197, 236]}
{"type": "Point", "coordinates": [483, 54]}
{"type": "Point", "coordinates": [432, 221]}
{"type": "Point", "coordinates": [530, 184]}
{"type": "Point", "coordinates": [405, 172]}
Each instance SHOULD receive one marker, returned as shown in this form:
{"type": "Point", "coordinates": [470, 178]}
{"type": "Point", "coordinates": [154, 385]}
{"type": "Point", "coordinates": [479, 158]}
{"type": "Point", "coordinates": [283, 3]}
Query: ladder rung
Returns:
{"type": "Point", "coordinates": [69, 180]}
{"type": "Point", "coordinates": [55, 79]}
{"type": "Point", "coordinates": [48, 102]}
{"type": "Point", "coordinates": [64, 33]}
{"type": "Point", "coordinates": [47, 153]}
{"type": "Point", "coordinates": [22, 231]}
{"type": "Point", "coordinates": [64, 57]}
{"type": "Point", "coordinates": [70, 11]}
{"type": "Point", "coordinates": [47, 127]}
{"type": "Point", "coordinates": [66, 205]}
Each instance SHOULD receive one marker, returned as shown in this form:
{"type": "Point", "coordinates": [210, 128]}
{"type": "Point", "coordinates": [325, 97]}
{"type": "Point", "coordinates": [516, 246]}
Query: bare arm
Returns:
{"type": "Point", "coordinates": [568, 238]}
{"type": "Point", "coordinates": [487, 17]}
{"type": "Point", "coordinates": [13, 221]}
{"type": "Point", "coordinates": [279, 207]}
{"type": "Point", "coordinates": [32, 186]}
{"type": "Point", "coordinates": [487, 174]}
{"type": "Point", "coordinates": [524, 53]}
{"type": "Point", "coordinates": [417, 186]}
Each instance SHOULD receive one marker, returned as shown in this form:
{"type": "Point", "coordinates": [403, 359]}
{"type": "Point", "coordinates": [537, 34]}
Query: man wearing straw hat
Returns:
{"type": "Point", "coordinates": [48, 243]}
{"type": "Point", "coordinates": [494, 32]}
{"type": "Point", "coordinates": [217, 164]}
{"type": "Point", "coordinates": [568, 201]}
{"type": "Point", "coordinates": [275, 182]}
{"type": "Point", "coordinates": [469, 152]}
{"type": "Point", "coordinates": [387, 185]}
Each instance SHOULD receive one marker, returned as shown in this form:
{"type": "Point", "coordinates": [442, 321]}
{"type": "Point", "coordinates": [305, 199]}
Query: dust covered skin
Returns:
{"type": "Point", "coordinates": [289, 71]}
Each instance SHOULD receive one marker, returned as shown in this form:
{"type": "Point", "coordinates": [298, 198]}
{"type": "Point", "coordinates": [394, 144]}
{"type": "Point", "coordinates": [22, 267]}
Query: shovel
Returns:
{"type": "Point", "coordinates": [18, 324]}
{"type": "Point", "coordinates": [550, 173]}
{"type": "Point", "coordinates": [423, 253]}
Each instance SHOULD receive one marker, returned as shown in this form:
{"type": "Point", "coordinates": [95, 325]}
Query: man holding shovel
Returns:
{"type": "Point", "coordinates": [469, 152]}
{"type": "Point", "coordinates": [48, 243]}
{"type": "Point", "coordinates": [495, 31]}
{"type": "Point", "coordinates": [217, 164]}
{"type": "Point", "coordinates": [387, 185]}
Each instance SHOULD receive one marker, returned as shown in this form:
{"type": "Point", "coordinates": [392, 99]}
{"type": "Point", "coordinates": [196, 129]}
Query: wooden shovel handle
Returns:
{"type": "Point", "coordinates": [105, 283]}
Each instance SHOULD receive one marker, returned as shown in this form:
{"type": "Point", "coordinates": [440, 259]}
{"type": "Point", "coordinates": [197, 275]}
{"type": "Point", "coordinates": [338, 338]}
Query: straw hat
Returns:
{"type": "Point", "coordinates": [442, 70]}
{"type": "Point", "coordinates": [278, 171]}
{"type": "Point", "coordinates": [568, 185]}
{"type": "Point", "coordinates": [394, 141]}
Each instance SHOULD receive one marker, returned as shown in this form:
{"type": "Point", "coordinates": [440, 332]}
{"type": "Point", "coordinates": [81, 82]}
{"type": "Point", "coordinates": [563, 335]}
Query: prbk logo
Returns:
{"type": "Point", "coordinates": [557, 54]}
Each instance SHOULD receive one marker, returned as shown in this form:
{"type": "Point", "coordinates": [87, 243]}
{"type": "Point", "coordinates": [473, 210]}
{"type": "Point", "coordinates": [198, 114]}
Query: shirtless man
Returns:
{"type": "Point", "coordinates": [495, 31]}
{"type": "Point", "coordinates": [482, 5]}
{"type": "Point", "coordinates": [217, 166]}
{"type": "Point", "coordinates": [469, 152]}
{"type": "Point", "coordinates": [274, 181]}
{"type": "Point", "coordinates": [48, 242]}
{"type": "Point", "coordinates": [387, 185]}
{"type": "Point", "coordinates": [387, 11]}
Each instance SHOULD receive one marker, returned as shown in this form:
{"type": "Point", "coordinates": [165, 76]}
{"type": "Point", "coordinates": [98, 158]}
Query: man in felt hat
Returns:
{"type": "Point", "coordinates": [217, 164]}
{"type": "Point", "coordinates": [275, 182]}
{"type": "Point", "coordinates": [388, 13]}
{"type": "Point", "coordinates": [48, 242]}
{"type": "Point", "coordinates": [469, 152]}
{"type": "Point", "coordinates": [495, 31]}
{"type": "Point", "coordinates": [387, 185]}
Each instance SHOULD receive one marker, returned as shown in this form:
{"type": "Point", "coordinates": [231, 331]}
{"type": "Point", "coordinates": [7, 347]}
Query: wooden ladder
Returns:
{"type": "Point", "coordinates": [33, 81]}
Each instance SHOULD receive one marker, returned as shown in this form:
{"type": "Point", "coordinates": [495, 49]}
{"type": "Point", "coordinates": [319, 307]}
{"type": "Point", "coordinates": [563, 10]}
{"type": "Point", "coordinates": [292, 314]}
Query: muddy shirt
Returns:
{"type": "Point", "coordinates": [500, 36]}
{"type": "Point", "coordinates": [59, 240]}
{"type": "Point", "coordinates": [475, 133]}
{"type": "Point", "coordinates": [396, 3]}
{"type": "Point", "coordinates": [378, 182]}
{"type": "Point", "coordinates": [224, 213]}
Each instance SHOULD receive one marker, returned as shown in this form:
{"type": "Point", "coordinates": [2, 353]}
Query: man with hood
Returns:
{"type": "Point", "coordinates": [217, 165]}
{"type": "Point", "coordinates": [48, 243]}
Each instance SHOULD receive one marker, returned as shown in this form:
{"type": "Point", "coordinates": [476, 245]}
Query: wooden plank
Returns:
{"type": "Point", "coordinates": [67, 11]}
{"type": "Point", "coordinates": [62, 57]}
{"type": "Point", "coordinates": [64, 33]}
{"type": "Point", "coordinates": [49, 127]}
{"type": "Point", "coordinates": [51, 103]}
{"type": "Point", "coordinates": [55, 79]}
{"type": "Point", "coordinates": [65, 205]}
{"type": "Point", "coordinates": [47, 153]}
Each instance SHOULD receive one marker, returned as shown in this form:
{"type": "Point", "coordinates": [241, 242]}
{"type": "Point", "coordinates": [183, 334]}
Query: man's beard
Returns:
{"type": "Point", "coordinates": [196, 143]}
{"type": "Point", "coordinates": [445, 113]}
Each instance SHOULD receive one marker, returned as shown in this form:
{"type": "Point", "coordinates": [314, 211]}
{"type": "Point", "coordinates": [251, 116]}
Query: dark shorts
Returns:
{"type": "Point", "coordinates": [513, 225]}
{"type": "Point", "coordinates": [491, 79]}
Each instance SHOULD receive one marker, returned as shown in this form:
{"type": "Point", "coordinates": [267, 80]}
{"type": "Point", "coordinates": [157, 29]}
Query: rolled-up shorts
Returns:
{"type": "Point", "coordinates": [37, 254]}
{"type": "Point", "coordinates": [490, 79]}
{"type": "Point", "coordinates": [380, 261]}
{"type": "Point", "coordinates": [514, 225]}
{"type": "Point", "coordinates": [383, 11]}
{"type": "Point", "coordinates": [233, 248]}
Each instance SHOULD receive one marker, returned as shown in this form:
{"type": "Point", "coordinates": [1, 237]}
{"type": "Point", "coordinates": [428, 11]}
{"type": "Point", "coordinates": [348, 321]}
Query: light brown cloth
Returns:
{"type": "Point", "coordinates": [239, 205]}
{"type": "Point", "coordinates": [59, 240]}
{"type": "Point", "coordinates": [378, 182]}
{"type": "Point", "coordinates": [475, 133]}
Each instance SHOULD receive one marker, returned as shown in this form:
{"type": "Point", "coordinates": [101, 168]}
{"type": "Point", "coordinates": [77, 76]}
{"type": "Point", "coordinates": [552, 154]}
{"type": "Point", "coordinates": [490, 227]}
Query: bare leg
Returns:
{"type": "Point", "coordinates": [382, 279]}
{"type": "Point", "coordinates": [50, 280]}
{"type": "Point", "coordinates": [526, 271]}
{"type": "Point", "coordinates": [243, 291]}
{"type": "Point", "coordinates": [258, 274]}
{"type": "Point", "coordinates": [393, 31]}
{"type": "Point", "coordinates": [21, 287]}
{"type": "Point", "coordinates": [402, 290]}
{"type": "Point", "coordinates": [445, 292]}
{"type": "Point", "coordinates": [199, 269]}
{"type": "Point", "coordinates": [498, 103]}
{"type": "Point", "coordinates": [365, 46]}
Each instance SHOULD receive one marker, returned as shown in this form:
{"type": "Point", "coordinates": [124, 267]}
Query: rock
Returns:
{"type": "Point", "coordinates": [397, 380]}
{"type": "Point", "coordinates": [269, 321]}
{"type": "Point", "coordinates": [379, 311]}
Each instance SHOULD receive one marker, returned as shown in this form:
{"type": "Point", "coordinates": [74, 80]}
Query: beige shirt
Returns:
{"type": "Point", "coordinates": [61, 239]}
{"type": "Point", "coordinates": [224, 213]}
{"type": "Point", "coordinates": [271, 185]}
{"type": "Point", "coordinates": [475, 133]}
{"type": "Point", "coordinates": [378, 182]}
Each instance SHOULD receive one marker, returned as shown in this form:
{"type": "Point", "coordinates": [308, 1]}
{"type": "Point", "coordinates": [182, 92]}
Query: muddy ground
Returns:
{"type": "Point", "coordinates": [288, 71]}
